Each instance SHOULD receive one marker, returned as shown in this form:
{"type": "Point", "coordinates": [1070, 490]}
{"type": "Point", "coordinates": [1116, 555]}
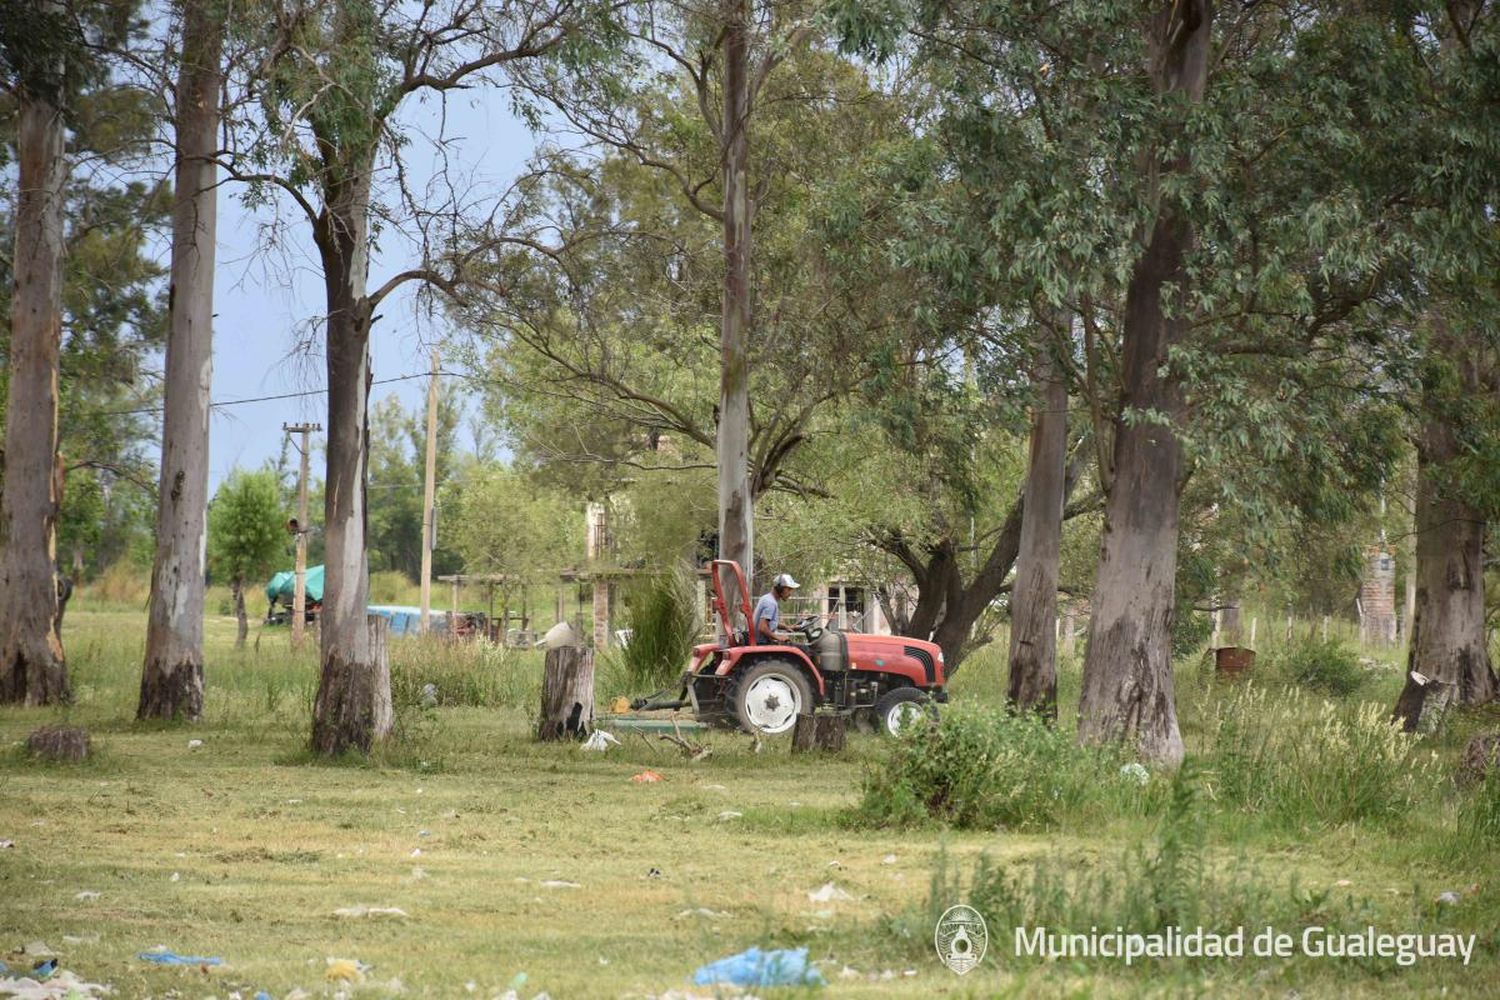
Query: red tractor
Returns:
{"type": "Point", "coordinates": [883, 681]}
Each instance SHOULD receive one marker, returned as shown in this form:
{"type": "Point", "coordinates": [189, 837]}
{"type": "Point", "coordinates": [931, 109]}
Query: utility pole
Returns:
{"type": "Point", "coordinates": [429, 487]}
{"type": "Point", "coordinates": [299, 590]}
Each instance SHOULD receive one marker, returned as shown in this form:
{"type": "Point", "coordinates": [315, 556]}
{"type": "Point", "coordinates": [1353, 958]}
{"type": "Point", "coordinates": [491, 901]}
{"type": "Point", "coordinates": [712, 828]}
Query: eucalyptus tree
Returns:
{"type": "Point", "coordinates": [607, 325]}
{"type": "Point", "coordinates": [50, 63]}
{"type": "Point", "coordinates": [1451, 149]}
{"type": "Point", "coordinates": [1156, 176]}
{"type": "Point", "coordinates": [172, 675]}
{"type": "Point", "coordinates": [329, 83]}
{"type": "Point", "coordinates": [720, 56]}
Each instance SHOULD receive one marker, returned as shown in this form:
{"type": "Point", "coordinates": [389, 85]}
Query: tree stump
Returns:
{"type": "Point", "coordinates": [69, 743]}
{"type": "Point", "coordinates": [819, 732]}
{"type": "Point", "coordinates": [567, 694]}
{"type": "Point", "coordinates": [1480, 758]}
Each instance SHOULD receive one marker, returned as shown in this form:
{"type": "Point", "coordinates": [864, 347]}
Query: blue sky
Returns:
{"type": "Point", "coordinates": [265, 299]}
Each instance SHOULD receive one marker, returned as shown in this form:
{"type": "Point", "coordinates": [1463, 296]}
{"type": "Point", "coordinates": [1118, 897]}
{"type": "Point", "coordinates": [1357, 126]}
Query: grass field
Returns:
{"type": "Point", "coordinates": [547, 869]}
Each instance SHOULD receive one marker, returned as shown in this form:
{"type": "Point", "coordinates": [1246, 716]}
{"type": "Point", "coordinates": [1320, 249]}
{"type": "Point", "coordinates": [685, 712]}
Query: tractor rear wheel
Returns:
{"type": "Point", "coordinates": [898, 708]}
{"type": "Point", "coordinates": [768, 695]}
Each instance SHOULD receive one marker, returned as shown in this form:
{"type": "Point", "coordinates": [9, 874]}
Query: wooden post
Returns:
{"type": "Point", "coordinates": [299, 585]}
{"type": "Point", "coordinates": [567, 694]}
{"type": "Point", "coordinates": [429, 487]}
{"type": "Point", "coordinates": [819, 732]}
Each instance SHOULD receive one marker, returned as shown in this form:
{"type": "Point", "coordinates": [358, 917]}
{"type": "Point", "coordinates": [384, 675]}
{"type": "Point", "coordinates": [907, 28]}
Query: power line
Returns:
{"type": "Point", "coordinates": [283, 395]}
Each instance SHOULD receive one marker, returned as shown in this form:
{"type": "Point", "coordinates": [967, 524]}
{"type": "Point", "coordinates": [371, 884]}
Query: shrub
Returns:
{"type": "Point", "coordinates": [661, 613]}
{"type": "Point", "coordinates": [983, 769]}
{"type": "Point", "coordinates": [1165, 881]}
{"type": "Point", "coordinates": [1301, 763]}
{"type": "Point", "coordinates": [1325, 665]}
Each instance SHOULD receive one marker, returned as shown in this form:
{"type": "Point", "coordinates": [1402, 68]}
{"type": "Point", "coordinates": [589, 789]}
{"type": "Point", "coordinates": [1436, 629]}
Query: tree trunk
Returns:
{"type": "Point", "coordinates": [353, 706]}
{"type": "Point", "coordinates": [567, 694]}
{"type": "Point", "coordinates": [1448, 629]}
{"type": "Point", "coordinates": [1127, 671]}
{"type": "Point", "coordinates": [820, 732]}
{"type": "Point", "coordinates": [172, 676]}
{"type": "Point", "coordinates": [32, 668]}
{"type": "Point", "coordinates": [354, 700]}
{"type": "Point", "coordinates": [1033, 631]}
{"type": "Point", "coordinates": [736, 501]}
{"type": "Point", "coordinates": [237, 589]}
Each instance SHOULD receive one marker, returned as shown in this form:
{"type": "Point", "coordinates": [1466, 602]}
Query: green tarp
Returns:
{"type": "Point", "coordinates": [282, 584]}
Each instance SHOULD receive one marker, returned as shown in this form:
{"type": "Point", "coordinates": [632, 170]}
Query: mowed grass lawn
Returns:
{"type": "Point", "coordinates": [546, 867]}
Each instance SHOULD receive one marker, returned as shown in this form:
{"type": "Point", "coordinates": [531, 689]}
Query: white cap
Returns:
{"type": "Point", "coordinates": [785, 580]}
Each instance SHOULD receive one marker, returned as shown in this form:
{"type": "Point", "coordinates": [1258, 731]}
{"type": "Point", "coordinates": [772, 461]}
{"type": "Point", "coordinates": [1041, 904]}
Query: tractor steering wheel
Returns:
{"type": "Point", "coordinates": [809, 627]}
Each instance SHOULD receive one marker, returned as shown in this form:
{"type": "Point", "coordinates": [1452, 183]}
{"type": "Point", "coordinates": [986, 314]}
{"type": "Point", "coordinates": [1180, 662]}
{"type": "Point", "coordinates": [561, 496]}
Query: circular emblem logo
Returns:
{"type": "Point", "coordinates": [961, 938]}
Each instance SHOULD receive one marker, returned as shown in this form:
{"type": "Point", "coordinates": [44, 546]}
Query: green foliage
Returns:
{"type": "Point", "coordinates": [1328, 666]}
{"type": "Point", "coordinates": [1277, 759]}
{"type": "Point", "coordinates": [661, 613]}
{"type": "Point", "coordinates": [503, 522]}
{"type": "Point", "coordinates": [398, 443]}
{"type": "Point", "coordinates": [985, 769]}
{"type": "Point", "coordinates": [1167, 881]}
{"type": "Point", "coordinates": [246, 527]}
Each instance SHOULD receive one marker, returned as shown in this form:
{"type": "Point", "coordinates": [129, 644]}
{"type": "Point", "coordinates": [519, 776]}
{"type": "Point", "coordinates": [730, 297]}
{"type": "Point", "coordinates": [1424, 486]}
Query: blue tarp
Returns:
{"type": "Point", "coordinates": [753, 967]}
{"type": "Point", "coordinates": [407, 620]}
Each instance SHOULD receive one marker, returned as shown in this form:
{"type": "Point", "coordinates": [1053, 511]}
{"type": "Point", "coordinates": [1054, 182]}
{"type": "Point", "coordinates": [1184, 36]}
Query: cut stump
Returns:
{"type": "Point", "coordinates": [819, 732]}
{"type": "Point", "coordinates": [69, 743]}
{"type": "Point", "coordinates": [567, 694]}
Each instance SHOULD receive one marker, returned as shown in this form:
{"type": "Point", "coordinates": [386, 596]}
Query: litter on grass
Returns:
{"type": "Point", "coordinates": [346, 970]}
{"type": "Point", "coordinates": [829, 893]}
{"type": "Point", "coordinates": [646, 778]}
{"type": "Point", "coordinates": [600, 741]}
{"type": "Point", "coordinates": [557, 883]}
{"type": "Point", "coordinates": [753, 967]}
{"type": "Point", "coordinates": [161, 956]}
{"type": "Point", "coordinates": [86, 896]}
{"type": "Point", "coordinates": [370, 911]}
{"type": "Point", "coordinates": [63, 985]}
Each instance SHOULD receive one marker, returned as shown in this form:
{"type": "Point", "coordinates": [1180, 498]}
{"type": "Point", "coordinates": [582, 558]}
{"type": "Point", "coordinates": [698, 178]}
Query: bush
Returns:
{"type": "Point", "coordinates": [661, 613]}
{"type": "Point", "coordinates": [1305, 765]}
{"type": "Point", "coordinates": [1325, 665]}
{"type": "Point", "coordinates": [986, 769]}
{"type": "Point", "coordinates": [1165, 881]}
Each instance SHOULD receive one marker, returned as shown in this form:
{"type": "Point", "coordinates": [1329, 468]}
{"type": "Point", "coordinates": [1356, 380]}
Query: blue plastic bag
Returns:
{"type": "Point", "coordinates": [172, 958]}
{"type": "Point", "coordinates": [753, 967]}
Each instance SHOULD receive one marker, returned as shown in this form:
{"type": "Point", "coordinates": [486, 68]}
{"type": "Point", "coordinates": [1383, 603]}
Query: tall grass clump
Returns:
{"type": "Point", "coordinates": [983, 768]}
{"type": "Point", "coordinates": [661, 613]}
{"type": "Point", "coordinates": [1479, 813]}
{"type": "Point", "coordinates": [1324, 665]}
{"type": "Point", "coordinates": [1304, 764]}
{"type": "Point", "coordinates": [474, 674]}
{"type": "Point", "coordinates": [1162, 881]}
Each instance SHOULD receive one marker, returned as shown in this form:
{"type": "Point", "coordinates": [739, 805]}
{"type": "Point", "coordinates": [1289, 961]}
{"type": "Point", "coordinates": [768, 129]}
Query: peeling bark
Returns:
{"type": "Point", "coordinates": [32, 667]}
{"type": "Point", "coordinates": [172, 675]}
{"type": "Point", "coordinates": [353, 709]}
{"type": "Point", "coordinates": [1032, 685]}
{"type": "Point", "coordinates": [353, 706]}
{"type": "Point", "coordinates": [736, 499]}
{"type": "Point", "coordinates": [1127, 672]}
{"type": "Point", "coordinates": [1448, 641]}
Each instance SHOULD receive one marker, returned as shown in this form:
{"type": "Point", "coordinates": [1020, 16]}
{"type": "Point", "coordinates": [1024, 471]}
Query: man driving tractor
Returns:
{"type": "Point", "coordinates": [768, 610]}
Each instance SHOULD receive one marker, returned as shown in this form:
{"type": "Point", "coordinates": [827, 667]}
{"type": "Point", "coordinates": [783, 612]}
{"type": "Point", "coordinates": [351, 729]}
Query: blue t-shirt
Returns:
{"type": "Point", "coordinates": [768, 609]}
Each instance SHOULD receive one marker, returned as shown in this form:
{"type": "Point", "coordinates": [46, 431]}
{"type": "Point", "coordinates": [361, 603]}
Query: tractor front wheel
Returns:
{"type": "Point", "coordinates": [769, 695]}
{"type": "Point", "coordinates": [897, 709]}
